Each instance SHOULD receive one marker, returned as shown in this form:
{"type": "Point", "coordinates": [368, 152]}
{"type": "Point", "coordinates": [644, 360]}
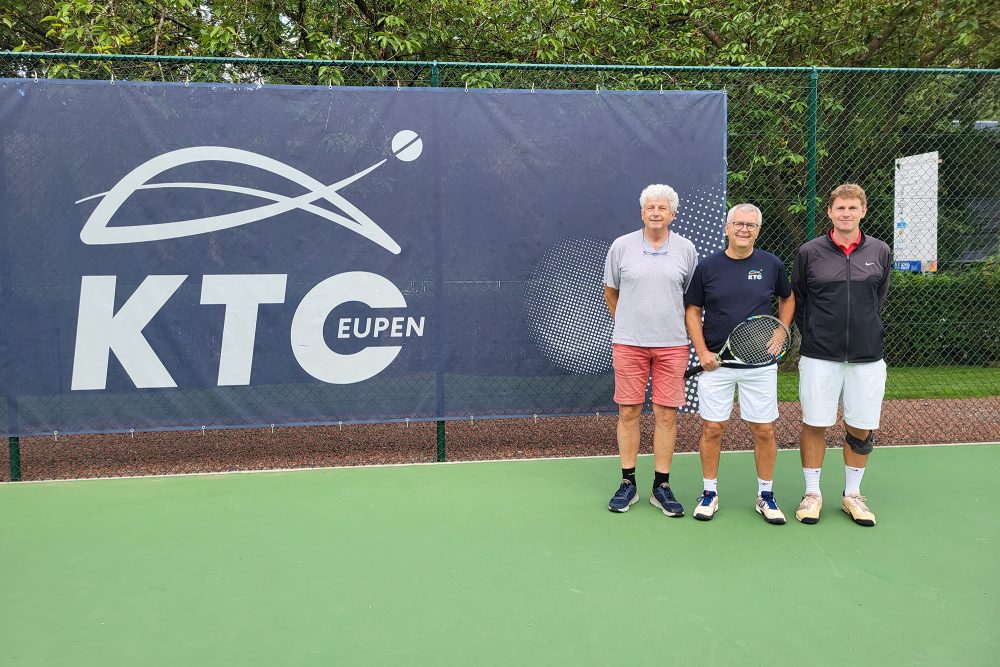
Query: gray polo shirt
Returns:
{"type": "Point", "coordinates": [650, 311]}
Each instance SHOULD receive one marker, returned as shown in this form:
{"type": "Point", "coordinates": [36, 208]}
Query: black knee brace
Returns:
{"type": "Point", "coordinates": [861, 446]}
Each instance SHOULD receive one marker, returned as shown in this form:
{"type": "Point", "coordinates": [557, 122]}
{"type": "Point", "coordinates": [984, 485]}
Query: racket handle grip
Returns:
{"type": "Point", "coordinates": [691, 372]}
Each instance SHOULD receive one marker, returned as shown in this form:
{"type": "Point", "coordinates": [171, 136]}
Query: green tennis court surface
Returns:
{"type": "Point", "coordinates": [503, 563]}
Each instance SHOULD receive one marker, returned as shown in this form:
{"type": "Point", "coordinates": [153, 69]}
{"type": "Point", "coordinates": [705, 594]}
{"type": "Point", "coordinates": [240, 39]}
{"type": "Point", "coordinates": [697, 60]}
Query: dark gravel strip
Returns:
{"type": "Point", "coordinates": [903, 422]}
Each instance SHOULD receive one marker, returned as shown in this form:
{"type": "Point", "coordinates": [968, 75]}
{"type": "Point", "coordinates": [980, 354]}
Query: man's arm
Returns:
{"type": "Point", "coordinates": [692, 318]}
{"type": "Point", "coordinates": [786, 310]}
{"type": "Point", "coordinates": [612, 278]}
{"type": "Point", "coordinates": [883, 287]}
{"type": "Point", "coordinates": [611, 298]}
{"type": "Point", "coordinates": [799, 288]}
{"type": "Point", "coordinates": [692, 266]}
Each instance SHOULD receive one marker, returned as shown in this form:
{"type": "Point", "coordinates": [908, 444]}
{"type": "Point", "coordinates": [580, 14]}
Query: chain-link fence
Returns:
{"type": "Point", "coordinates": [794, 134]}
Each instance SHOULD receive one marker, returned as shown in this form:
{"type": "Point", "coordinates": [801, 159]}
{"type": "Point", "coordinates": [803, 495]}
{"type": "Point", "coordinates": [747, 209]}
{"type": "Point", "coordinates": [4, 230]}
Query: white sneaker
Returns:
{"type": "Point", "coordinates": [708, 505]}
{"type": "Point", "coordinates": [768, 508]}
{"type": "Point", "coordinates": [809, 508]}
{"type": "Point", "coordinates": [854, 505]}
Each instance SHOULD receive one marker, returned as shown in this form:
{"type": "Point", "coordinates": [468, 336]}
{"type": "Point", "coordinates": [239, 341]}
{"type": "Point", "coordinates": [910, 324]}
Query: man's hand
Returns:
{"type": "Point", "coordinates": [777, 341]}
{"type": "Point", "coordinates": [708, 360]}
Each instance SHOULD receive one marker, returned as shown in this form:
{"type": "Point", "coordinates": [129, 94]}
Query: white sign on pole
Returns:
{"type": "Point", "coordinates": [914, 246]}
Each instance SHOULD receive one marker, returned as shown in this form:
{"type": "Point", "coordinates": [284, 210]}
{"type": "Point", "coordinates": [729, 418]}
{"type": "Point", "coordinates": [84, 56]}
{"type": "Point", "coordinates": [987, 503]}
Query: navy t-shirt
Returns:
{"type": "Point", "coordinates": [731, 290]}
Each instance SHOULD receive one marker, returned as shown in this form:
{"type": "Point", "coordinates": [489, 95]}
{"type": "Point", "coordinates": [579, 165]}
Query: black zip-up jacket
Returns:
{"type": "Point", "coordinates": [839, 297]}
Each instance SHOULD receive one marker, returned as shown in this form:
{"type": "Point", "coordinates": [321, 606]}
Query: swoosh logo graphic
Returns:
{"type": "Point", "coordinates": [406, 146]}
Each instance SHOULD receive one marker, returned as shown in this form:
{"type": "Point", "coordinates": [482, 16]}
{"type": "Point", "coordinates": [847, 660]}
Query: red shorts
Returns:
{"type": "Point", "coordinates": [634, 365]}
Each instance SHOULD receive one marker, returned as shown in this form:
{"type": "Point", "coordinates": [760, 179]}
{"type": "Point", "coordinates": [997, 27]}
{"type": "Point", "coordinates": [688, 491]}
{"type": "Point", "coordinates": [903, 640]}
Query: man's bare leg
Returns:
{"type": "Point", "coordinates": [854, 470]}
{"type": "Point", "coordinates": [812, 448]}
{"type": "Point", "coordinates": [851, 457]}
{"type": "Point", "coordinates": [664, 440]}
{"type": "Point", "coordinates": [664, 436]}
{"type": "Point", "coordinates": [628, 451]}
{"type": "Point", "coordinates": [710, 447]}
{"type": "Point", "coordinates": [765, 451]}
{"type": "Point", "coordinates": [628, 434]}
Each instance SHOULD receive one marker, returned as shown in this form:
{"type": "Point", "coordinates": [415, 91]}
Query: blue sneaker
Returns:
{"type": "Point", "coordinates": [708, 505]}
{"type": "Point", "coordinates": [624, 497]}
{"type": "Point", "coordinates": [663, 498]}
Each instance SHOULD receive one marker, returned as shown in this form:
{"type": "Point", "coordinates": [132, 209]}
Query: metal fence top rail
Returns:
{"type": "Point", "coordinates": [451, 64]}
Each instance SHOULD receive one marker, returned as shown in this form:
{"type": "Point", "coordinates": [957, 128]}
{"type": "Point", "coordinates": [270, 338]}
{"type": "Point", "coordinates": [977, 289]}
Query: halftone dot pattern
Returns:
{"type": "Point", "coordinates": [564, 297]}
{"type": "Point", "coordinates": [701, 219]}
{"type": "Point", "coordinates": [564, 306]}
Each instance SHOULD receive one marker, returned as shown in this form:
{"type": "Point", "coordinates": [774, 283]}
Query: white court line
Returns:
{"type": "Point", "coordinates": [434, 463]}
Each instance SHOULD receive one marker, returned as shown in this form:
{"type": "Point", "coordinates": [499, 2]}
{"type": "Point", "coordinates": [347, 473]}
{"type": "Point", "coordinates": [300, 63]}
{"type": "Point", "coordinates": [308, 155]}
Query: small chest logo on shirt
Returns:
{"type": "Point", "coordinates": [755, 274]}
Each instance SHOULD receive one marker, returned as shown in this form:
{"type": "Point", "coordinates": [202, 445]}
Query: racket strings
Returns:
{"type": "Point", "coordinates": [750, 340]}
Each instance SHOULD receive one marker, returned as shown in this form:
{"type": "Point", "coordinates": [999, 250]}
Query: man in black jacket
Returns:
{"type": "Point", "coordinates": [840, 281]}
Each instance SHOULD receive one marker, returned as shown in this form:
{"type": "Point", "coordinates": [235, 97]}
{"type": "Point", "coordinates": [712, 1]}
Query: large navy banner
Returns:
{"type": "Point", "coordinates": [179, 256]}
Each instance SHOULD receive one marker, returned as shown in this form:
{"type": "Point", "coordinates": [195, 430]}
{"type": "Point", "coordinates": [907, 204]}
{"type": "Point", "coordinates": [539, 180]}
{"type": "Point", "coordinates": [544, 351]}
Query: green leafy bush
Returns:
{"type": "Point", "coordinates": [944, 319]}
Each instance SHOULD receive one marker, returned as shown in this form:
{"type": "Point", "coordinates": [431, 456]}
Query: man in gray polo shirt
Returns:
{"type": "Point", "coordinates": [645, 276]}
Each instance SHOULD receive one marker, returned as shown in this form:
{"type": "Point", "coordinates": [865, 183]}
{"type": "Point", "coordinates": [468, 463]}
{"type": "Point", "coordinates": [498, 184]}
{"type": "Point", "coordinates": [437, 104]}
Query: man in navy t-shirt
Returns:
{"type": "Point", "coordinates": [727, 288]}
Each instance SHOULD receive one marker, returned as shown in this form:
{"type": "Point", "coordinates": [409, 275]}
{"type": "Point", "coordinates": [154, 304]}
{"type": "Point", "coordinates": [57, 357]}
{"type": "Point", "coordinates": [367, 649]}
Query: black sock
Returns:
{"type": "Point", "coordinates": [660, 478]}
{"type": "Point", "coordinates": [629, 474]}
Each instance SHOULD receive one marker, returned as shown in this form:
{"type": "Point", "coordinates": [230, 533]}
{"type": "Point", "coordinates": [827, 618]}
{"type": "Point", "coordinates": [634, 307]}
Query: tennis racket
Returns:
{"type": "Point", "coordinates": [756, 341]}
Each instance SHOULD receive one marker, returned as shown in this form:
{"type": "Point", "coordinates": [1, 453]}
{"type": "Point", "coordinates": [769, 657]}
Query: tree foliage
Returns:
{"type": "Point", "coordinates": [864, 120]}
{"type": "Point", "coordinates": [883, 33]}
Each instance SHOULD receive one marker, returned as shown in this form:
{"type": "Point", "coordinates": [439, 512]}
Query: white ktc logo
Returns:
{"type": "Point", "coordinates": [406, 146]}
{"type": "Point", "coordinates": [103, 331]}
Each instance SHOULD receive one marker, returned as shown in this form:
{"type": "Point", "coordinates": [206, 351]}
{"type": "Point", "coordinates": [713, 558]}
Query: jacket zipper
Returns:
{"type": "Point", "coordinates": [847, 321]}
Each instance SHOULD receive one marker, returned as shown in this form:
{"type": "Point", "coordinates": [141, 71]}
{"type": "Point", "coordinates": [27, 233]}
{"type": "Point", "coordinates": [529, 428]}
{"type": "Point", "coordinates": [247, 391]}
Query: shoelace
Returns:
{"type": "Point", "coordinates": [667, 492]}
{"type": "Point", "coordinates": [768, 499]}
{"type": "Point", "coordinates": [859, 502]}
{"type": "Point", "coordinates": [809, 502]}
{"type": "Point", "coordinates": [706, 498]}
{"type": "Point", "coordinates": [623, 490]}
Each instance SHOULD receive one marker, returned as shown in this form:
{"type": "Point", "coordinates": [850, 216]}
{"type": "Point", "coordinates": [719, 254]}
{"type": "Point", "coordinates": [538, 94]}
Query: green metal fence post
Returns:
{"type": "Point", "coordinates": [439, 286]}
{"type": "Point", "coordinates": [15, 458]}
{"type": "Point", "coordinates": [440, 441]}
{"type": "Point", "coordinates": [811, 164]}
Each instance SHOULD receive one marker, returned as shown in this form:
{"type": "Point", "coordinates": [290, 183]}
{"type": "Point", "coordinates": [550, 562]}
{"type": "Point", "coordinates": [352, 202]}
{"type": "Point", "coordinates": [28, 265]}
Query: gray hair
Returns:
{"type": "Point", "coordinates": [745, 208]}
{"type": "Point", "coordinates": [660, 192]}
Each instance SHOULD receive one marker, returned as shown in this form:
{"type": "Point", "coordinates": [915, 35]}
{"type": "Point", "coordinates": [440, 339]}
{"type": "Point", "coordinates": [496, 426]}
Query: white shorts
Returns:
{"type": "Point", "coordinates": [758, 389]}
{"type": "Point", "coordinates": [858, 388]}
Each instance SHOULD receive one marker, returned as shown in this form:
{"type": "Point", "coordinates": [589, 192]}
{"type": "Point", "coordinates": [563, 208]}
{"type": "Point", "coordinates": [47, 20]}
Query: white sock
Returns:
{"type": "Point", "coordinates": [763, 485]}
{"type": "Point", "coordinates": [812, 480]}
{"type": "Point", "coordinates": [853, 483]}
{"type": "Point", "coordinates": [711, 484]}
